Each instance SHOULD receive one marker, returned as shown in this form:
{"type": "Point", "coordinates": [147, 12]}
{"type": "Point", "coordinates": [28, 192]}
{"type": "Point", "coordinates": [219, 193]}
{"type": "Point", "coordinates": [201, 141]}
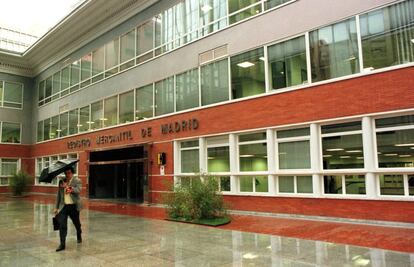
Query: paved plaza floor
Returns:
{"type": "Point", "coordinates": [110, 239]}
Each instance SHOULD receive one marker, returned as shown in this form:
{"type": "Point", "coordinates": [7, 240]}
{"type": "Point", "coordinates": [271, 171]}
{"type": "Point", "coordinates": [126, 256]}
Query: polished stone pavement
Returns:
{"type": "Point", "coordinates": [27, 239]}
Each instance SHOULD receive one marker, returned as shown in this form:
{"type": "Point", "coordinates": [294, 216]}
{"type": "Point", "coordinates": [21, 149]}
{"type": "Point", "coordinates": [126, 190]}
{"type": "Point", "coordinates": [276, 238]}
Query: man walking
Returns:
{"type": "Point", "coordinates": [68, 201]}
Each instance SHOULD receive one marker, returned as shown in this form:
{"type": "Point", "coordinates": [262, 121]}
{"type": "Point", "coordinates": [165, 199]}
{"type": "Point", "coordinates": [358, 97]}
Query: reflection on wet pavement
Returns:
{"type": "Point", "coordinates": [27, 239]}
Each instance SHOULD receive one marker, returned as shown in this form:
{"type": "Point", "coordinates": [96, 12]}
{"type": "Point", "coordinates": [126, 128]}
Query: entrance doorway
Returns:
{"type": "Point", "coordinates": [119, 174]}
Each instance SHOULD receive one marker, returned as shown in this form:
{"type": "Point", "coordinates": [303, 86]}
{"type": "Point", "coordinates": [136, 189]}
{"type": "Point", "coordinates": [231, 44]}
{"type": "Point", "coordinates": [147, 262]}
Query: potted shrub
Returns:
{"type": "Point", "coordinates": [197, 201]}
{"type": "Point", "coordinates": [19, 182]}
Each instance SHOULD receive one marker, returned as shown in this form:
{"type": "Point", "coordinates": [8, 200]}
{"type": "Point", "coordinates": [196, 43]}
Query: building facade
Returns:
{"type": "Point", "coordinates": [300, 107]}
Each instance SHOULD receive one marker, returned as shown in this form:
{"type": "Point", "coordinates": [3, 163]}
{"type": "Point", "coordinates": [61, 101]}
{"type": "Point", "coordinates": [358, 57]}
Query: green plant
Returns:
{"type": "Point", "coordinates": [196, 199]}
{"type": "Point", "coordinates": [18, 182]}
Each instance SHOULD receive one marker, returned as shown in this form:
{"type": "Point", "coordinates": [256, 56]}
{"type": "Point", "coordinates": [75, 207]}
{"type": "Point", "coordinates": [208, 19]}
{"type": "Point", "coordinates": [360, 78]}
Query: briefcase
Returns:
{"type": "Point", "coordinates": [55, 224]}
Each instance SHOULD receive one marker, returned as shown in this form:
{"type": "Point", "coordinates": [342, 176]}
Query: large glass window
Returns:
{"type": "Point", "coordinates": [167, 28]}
{"type": "Point", "coordinates": [98, 63]}
{"type": "Point", "coordinates": [295, 184]}
{"type": "Point", "coordinates": [215, 82]}
{"type": "Point", "coordinates": [144, 102]}
{"type": "Point", "coordinates": [41, 92]}
{"type": "Point", "coordinates": [13, 95]}
{"type": "Point", "coordinates": [344, 184]}
{"type": "Point", "coordinates": [64, 124]}
{"type": "Point", "coordinates": [96, 115]}
{"type": "Point", "coordinates": [392, 184]}
{"type": "Point", "coordinates": [218, 154]}
{"type": "Point", "coordinates": [342, 146]}
{"type": "Point", "coordinates": [46, 129]}
{"type": "Point", "coordinates": [127, 49]}
{"type": "Point", "coordinates": [111, 57]}
{"type": "Point", "coordinates": [247, 74]}
{"type": "Point", "coordinates": [126, 107]}
{"type": "Point", "coordinates": [84, 119]}
{"type": "Point", "coordinates": [254, 184]}
{"type": "Point", "coordinates": [145, 41]}
{"type": "Point", "coordinates": [395, 142]}
{"type": "Point", "coordinates": [253, 152]}
{"type": "Point", "coordinates": [274, 3]}
{"type": "Point", "coordinates": [294, 149]}
{"type": "Point", "coordinates": [334, 51]}
{"type": "Point", "coordinates": [65, 81]}
{"type": "Point", "coordinates": [48, 89]}
{"type": "Point", "coordinates": [56, 85]}
{"type": "Point", "coordinates": [187, 90]}
{"type": "Point", "coordinates": [73, 121]}
{"type": "Point", "coordinates": [74, 76]}
{"type": "Point", "coordinates": [54, 127]}
{"type": "Point", "coordinates": [164, 96]}
{"type": "Point", "coordinates": [287, 63]}
{"type": "Point", "coordinates": [8, 167]}
{"type": "Point", "coordinates": [110, 111]}
{"type": "Point", "coordinates": [189, 151]}
{"type": "Point", "coordinates": [10, 132]}
{"type": "Point", "coordinates": [40, 131]}
{"type": "Point", "coordinates": [236, 5]}
{"type": "Point", "coordinates": [212, 15]}
{"type": "Point", "coordinates": [86, 69]}
{"type": "Point", "coordinates": [387, 35]}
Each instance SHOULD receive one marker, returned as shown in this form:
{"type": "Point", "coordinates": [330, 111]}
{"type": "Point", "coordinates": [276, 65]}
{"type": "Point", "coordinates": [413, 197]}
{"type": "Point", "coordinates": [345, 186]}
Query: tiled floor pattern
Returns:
{"type": "Point", "coordinates": [111, 239]}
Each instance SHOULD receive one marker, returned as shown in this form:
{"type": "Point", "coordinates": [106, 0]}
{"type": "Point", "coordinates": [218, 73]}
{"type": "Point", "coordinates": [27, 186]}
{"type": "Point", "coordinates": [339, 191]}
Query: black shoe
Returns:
{"type": "Point", "coordinates": [60, 248]}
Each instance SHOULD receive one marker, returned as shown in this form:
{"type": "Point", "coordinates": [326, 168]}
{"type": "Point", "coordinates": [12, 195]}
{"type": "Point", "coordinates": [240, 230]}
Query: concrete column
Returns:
{"type": "Point", "coordinates": [233, 162]}
{"type": "Point", "coordinates": [177, 161]}
{"type": "Point", "coordinates": [369, 156]}
{"type": "Point", "coordinates": [202, 154]}
{"type": "Point", "coordinates": [316, 163]}
{"type": "Point", "coordinates": [271, 160]}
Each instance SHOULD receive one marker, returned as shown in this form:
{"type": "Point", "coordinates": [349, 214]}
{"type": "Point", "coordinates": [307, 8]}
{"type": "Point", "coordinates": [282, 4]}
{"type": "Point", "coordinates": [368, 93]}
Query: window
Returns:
{"type": "Point", "coordinates": [10, 132]}
{"type": "Point", "coordinates": [40, 131]}
{"type": "Point", "coordinates": [97, 117]}
{"type": "Point", "coordinates": [41, 92]}
{"type": "Point", "coordinates": [127, 50]}
{"type": "Point", "coordinates": [224, 183]}
{"type": "Point", "coordinates": [342, 146]}
{"type": "Point", "coordinates": [56, 85]}
{"type": "Point", "coordinates": [287, 63]}
{"type": "Point", "coordinates": [295, 184]}
{"type": "Point", "coordinates": [254, 184]}
{"type": "Point", "coordinates": [253, 152]}
{"type": "Point", "coordinates": [145, 41]}
{"type": "Point", "coordinates": [48, 89]}
{"type": "Point", "coordinates": [236, 5]}
{"type": "Point", "coordinates": [218, 154]}
{"type": "Point", "coordinates": [86, 69]}
{"type": "Point", "coordinates": [189, 152]}
{"type": "Point", "coordinates": [144, 102]}
{"type": "Point", "coordinates": [8, 167]}
{"type": "Point", "coordinates": [164, 96]}
{"type": "Point", "coordinates": [73, 121]}
{"type": "Point", "coordinates": [46, 129]}
{"type": "Point", "coordinates": [215, 82]}
{"type": "Point", "coordinates": [212, 15]}
{"type": "Point", "coordinates": [12, 95]}
{"type": "Point", "coordinates": [111, 57]}
{"type": "Point", "coordinates": [98, 64]}
{"type": "Point", "coordinates": [84, 119]}
{"type": "Point", "coordinates": [334, 51]}
{"type": "Point", "coordinates": [274, 3]}
{"type": "Point", "coordinates": [344, 184]}
{"type": "Point", "coordinates": [247, 74]}
{"type": "Point", "coordinates": [64, 124]}
{"type": "Point", "coordinates": [65, 81]}
{"type": "Point", "coordinates": [45, 162]}
{"type": "Point", "coordinates": [387, 35]}
{"type": "Point", "coordinates": [294, 149]}
{"type": "Point", "coordinates": [74, 76]}
{"type": "Point", "coordinates": [392, 184]}
{"type": "Point", "coordinates": [110, 117]}
{"type": "Point", "coordinates": [54, 127]}
{"type": "Point", "coordinates": [126, 107]}
{"type": "Point", "coordinates": [395, 142]}
{"type": "Point", "coordinates": [187, 90]}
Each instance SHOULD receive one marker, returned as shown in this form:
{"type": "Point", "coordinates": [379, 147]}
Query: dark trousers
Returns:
{"type": "Point", "coordinates": [71, 212]}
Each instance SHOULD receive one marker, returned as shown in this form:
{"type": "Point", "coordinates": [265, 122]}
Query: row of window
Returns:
{"type": "Point", "coordinates": [8, 167]}
{"type": "Point", "coordinates": [10, 132]}
{"type": "Point", "coordinates": [373, 40]}
{"type": "Point", "coordinates": [342, 148]}
{"type": "Point", "coordinates": [11, 94]}
{"type": "Point", "coordinates": [185, 22]}
{"type": "Point", "coordinates": [208, 84]}
{"type": "Point", "coordinates": [45, 162]}
{"type": "Point", "coordinates": [341, 184]}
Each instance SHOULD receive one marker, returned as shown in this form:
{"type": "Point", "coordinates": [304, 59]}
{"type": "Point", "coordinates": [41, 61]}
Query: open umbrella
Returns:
{"type": "Point", "coordinates": [47, 174]}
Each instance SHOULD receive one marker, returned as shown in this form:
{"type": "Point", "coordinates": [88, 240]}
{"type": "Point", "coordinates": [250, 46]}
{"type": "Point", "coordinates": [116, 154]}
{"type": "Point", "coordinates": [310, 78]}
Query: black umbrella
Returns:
{"type": "Point", "coordinates": [47, 174]}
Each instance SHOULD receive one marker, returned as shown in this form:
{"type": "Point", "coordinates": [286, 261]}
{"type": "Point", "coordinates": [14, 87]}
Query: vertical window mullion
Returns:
{"type": "Point", "coordinates": [406, 185]}
{"type": "Point", "coordinates": [308, 58]}
{"type": "Point", "coordinates": [343, 185]}
{"type": "Point", "coordinates": [295, 184]}
{"type": "Point", "coordinates": [229, 77]}
{"type": "Point", "coordinates": [359, 39]}
{"type": "Point", "coordinates": [266, 65]}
